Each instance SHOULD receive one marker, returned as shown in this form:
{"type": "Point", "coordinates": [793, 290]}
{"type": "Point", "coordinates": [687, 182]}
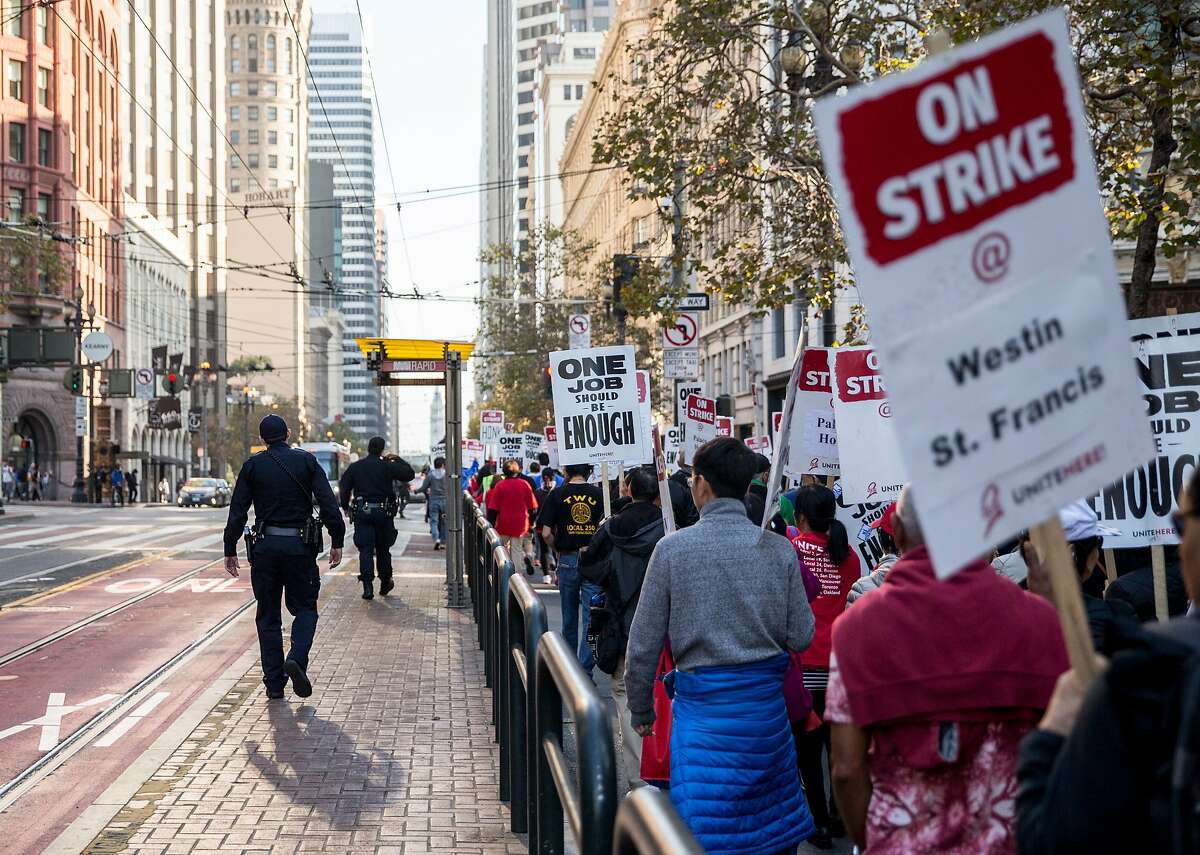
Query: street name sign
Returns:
{"type": "Point", "coordinates": [971, 211]}
{"type": "Point", "coordinates": [97, 346]}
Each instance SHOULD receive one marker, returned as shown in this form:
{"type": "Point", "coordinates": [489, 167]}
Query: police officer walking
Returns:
{"type": "Point", "coordinates": [373, 510]}
{"type": "Point", "coordinates": [281, 483]}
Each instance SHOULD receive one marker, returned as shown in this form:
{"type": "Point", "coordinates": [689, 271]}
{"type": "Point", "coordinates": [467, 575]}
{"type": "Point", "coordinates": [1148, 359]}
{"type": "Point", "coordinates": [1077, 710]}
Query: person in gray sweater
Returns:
{"type": "Point", "coordinates": [731, 599]}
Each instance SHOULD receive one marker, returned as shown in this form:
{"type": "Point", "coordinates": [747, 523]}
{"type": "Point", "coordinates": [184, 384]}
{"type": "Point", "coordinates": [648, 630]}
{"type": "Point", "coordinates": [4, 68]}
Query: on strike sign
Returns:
{"type": "Point", "coordinates": [701, 422]}
{"type": "Point", "coordinates": [814, 434]}
{"type": "Point", "coordinates": [972, 215]}
{"type": "Point", "coordinates": [491, 426]}
{"type": "Point", "coordinates": [872, 469]}
{"type": "Point", "coordinates": [596, 409]}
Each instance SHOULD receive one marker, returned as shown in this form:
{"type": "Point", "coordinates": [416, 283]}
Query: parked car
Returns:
{"type": "Point", "coordinates": [204, 491]}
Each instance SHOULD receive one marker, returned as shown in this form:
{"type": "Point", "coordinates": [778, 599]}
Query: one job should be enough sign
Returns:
{"type": "Point", "coordinates": [596, 408]}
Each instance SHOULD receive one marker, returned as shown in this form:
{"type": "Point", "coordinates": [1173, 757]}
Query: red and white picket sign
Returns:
{"type": "Point", "coordinates": [700, 416]}
{"type": "Point", "coordinates": [872, 468]}
{"type": "Point", "coordinates": [814, 435]}
{"type": "Point", "coordinates": [724, 426]}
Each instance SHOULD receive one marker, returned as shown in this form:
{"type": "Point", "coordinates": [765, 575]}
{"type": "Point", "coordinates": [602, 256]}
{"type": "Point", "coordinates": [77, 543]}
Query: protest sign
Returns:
{"type": "Point", "coordinates": [550, 432]}
{"type": "Point", "coordinates": [672, 443]}
{"type": "Point", "coordinates": [700, 423]}
{"type": "Point", "coordinates": [683, 391]}
{"type": "Point", "coordinates": [967, 184]}
{"type": "Point", "coordinates": [783, 430]}
{"type": "Point", "coordinates": [724, 426]}
{"type": "Point", "coordinates": [531, 447]}
{"type": "Point", "coordinates": [491, 426]}
{"type": "Point", "coordinates": [761, 444]}
{"type": "Point", "coordinates": [1139, 505]}
{"type": "Point", "coordinates": [872, 469]}
{"type": "Point", "coordinates": [858, 519]}
{"type": "Point", "coordinates": [596, 406]}
{"type": "Point", "coordinates": [511, 446]}
{"type": "Point", "coordinates": [776, 424]}
{"type": "Point", "coordinates": [814, 436]}
{"type": "Point", "coordinates": [645, 416]}
{"type": "Point", "coordinates": [472, 452]}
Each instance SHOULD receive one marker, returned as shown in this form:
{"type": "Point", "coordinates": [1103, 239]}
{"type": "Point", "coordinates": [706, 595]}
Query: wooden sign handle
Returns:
{"type": "Point", "coordinates": [607, 496]}
{"type": "Point", "coordinates": [1055, 555]}
{"type": "Point", "coordinates": [1158, 567]}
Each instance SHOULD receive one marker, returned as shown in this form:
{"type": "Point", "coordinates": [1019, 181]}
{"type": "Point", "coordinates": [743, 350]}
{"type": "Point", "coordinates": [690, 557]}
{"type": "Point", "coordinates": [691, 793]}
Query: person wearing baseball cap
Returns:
{"type": "Point", "coordinates": [884, 532]}
{"type": "Point", "coordinates": [281, 483]}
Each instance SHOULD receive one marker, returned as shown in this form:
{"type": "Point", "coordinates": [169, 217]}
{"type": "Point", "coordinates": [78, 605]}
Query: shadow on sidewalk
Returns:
{"type": "Point", "coordinates": [315, 762]}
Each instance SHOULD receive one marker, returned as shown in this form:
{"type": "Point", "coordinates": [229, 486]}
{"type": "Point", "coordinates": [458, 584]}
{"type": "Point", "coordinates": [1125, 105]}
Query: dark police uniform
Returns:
{"type": "Point", "coordinates": [370, 481]}
{"type": "Point", "coordinates": [282, 563]}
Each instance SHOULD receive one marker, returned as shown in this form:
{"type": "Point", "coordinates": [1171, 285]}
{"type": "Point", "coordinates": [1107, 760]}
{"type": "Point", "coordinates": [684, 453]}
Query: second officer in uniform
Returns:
{"type": "Point", "coordinates": [373, 510]}
{"type": "Point", "coordinates": [282, 484]}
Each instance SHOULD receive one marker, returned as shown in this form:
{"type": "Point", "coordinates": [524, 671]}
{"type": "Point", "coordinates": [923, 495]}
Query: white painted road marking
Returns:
{"type": "Point", "coordinates": [51, 723]}
{"type": "Point", "coordinates": [130, 721]}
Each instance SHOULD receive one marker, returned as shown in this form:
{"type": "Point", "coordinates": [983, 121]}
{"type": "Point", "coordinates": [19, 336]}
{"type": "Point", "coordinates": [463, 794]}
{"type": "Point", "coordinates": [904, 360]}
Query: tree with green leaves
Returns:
{"type": "Point", "coordinates": [32, 261]}
{"type": "Point", "coordinates": [712, 107]}
{"type": "Point", "coordinates": [525, 315]}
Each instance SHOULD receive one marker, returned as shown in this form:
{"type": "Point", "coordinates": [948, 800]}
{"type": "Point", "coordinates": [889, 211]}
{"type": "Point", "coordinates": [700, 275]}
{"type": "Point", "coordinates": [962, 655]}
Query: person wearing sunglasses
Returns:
{"type": "Point", "coordinates": [1112, 766]}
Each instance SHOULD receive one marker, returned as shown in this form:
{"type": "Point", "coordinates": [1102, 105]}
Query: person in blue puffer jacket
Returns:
{"type": "Point", "coordinates": [731, 601]}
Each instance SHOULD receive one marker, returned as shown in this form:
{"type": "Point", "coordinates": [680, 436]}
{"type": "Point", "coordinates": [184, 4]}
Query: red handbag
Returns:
{"type": "Point", "coordinates": [656, 748]}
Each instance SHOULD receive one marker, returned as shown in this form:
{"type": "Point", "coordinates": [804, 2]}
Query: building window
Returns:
{"type": "Point", "coordinates": [235, 137]}
{"type": "Point", "coordinates": [287, 57]}
{"type": "Point", "coordinates": [599, 24]}
{"type": "Point", "coordinates": [578, 91]}
{"type": "Point", "coordinates": [43, 83]}
{"type": "Point", "coordinates": [235, 90]}
{"type": "Point", "coordinates": [235, 65]}
{"type": "Point", "coordinates": [43, 204]}
{"type": "Point", "coordinates": [16, 204]}
{"type": "Point", "coordinates": [16, 80]}
{"type": "Point", "coordinates": [15, 25]}
{"type": "Point", "coordinates": [253, 160]}
{"type": "Point", "coordinates": [252, 63]}
{"type": "Point", "coordinates": [273, 161]}
{"type": "Point", "coordinates": [235, 185]}
{"type": "Point", "coordinates": [272, 114]}
{"type": "Point", "coordinates": [522, 161]}
{"type": "Point", "coordinates": [271, 88]}
{"type": "Point", "coordinates": [252, 114]}
{"type": "Point", "coordinates": [779, 323]}
{"type": "Point", "coordinates": [252, 135]}
{"type": "Point", "coordinates": [272, 183]}
{"type": "Point", "coordinates": [272, 138]}
{"type": "Point", "coordinates": [45, 147]}
{"type": "Point", "coordinates": [566, 91]}
{"type": "Point", "coordinates": [291, 139]}
{"type": "Point", "coordinates": [252, 87]}
{"type": "Point", "coordinates": [16, 142]}
{"type": "Point", "coordinates": [291, 163]}
{"type": "Point", "coordinates": [291, 116]}
{"type": "Point", "coordinates": [235, 114]}
{"type": "Point", "coordinates": [584, 53]}
{"type": "Point", "coordinates": [43, 25]}
{"type": "Point", "coordinates": [235, 43]}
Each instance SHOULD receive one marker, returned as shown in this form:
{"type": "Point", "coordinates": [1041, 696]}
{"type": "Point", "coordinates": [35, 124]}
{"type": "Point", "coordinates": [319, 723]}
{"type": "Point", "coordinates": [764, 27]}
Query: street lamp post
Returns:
{"type": "Point", "coordinates": [78, 494]}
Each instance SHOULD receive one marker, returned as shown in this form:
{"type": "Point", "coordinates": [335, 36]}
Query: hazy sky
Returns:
{"type": "Point", "coordinates": [427, 60]}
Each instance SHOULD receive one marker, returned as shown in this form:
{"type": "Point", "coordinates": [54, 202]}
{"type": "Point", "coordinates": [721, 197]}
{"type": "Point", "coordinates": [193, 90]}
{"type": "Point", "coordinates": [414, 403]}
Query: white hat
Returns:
{"type": "Point", "coordinates": [1079, 522]}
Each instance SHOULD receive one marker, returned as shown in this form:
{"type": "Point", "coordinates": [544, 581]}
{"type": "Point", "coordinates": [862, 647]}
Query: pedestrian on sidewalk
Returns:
{"type": "Point", "coordinates": [1113, 769]}
{"type": "Point", "coordinates": [131, 484]}
{"type": "Point", "coordinates": [35, 483]}
{"type": "Point", "coordinates": [730, 601]}
{"type": "Point", "coordinates": [282, 483]}
{"type": "Point", "coordinates": [616, 560]}
{"type": "Point", "coordinates": [164, 490]}
{"type": "Point", "coordinates": [885, 534]}
{"type": "Point", "coordinates": [823, 547]}
{"type": "Point", "coordinates": [434, 489]}
{"type": "Point", "coordinates": [365, 489]}
{"type": "Point", "coordinates": [118, 487]}
{"type": "Point", "coordinates": [681, 496]}
{"type": "Point", "coordinates": [932, 685]}
{"type": "Point", "coordinates": [512, 500]}
{"type": "Point", "coordinates": [542, 557]}
{"type": "Point", "coordinates": [9, 479]}
{"type": "Point", "coordinates": [569, 520]}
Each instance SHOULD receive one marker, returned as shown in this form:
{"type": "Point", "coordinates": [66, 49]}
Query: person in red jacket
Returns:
{"type": "Point", "coordinates": [824, 548]}
{"type": "Point", "coordinates": [511, 499]}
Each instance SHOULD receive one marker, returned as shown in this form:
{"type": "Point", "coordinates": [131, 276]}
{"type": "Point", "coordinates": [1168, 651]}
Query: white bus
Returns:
{"type": "Point", "coordinates": [333, 457]}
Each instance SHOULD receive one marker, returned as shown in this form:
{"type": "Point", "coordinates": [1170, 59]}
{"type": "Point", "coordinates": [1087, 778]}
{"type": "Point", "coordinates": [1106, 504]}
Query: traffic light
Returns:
{"type": "Point", "coordinates": [73, 381]}
{"type": "Point", "coordinates": [547, 384]}
{"type": "Point", "coordinates": [172, 383]}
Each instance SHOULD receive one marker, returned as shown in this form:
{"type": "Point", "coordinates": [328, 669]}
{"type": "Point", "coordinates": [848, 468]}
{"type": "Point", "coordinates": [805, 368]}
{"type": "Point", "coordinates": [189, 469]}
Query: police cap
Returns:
{"type": "Point", "coordinates": [272, 428]}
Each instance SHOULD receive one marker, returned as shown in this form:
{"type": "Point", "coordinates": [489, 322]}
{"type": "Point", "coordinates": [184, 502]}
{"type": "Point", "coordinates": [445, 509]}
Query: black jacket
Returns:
{"type": "Point", "coordinates": [1111, 623]}
{"type": "Point", "coordinates": [279, 500]}
{"type": "Point", "coordinates": [371, 478]}
{"type": "Point", "coordinates": [1137, 589]}
{"type": "Point", "coordinates": [619, 553]}
{"type": "Point", "coordinates": [681, 500]}
{"type": "Point", "coordinates": [1104, 789]}
{"type": "Point", "coordinates": [756, 502]}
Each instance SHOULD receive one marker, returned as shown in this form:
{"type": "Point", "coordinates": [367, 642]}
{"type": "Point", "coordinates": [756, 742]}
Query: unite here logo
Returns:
{"type": "Point", "coordinates": [991, 133]}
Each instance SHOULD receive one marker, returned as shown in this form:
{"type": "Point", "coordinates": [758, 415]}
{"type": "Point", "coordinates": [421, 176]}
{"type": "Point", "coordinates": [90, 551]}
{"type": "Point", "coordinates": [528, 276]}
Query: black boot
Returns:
{"type": "Point", "coordinates": [385, 586]}
{"type": "Point", "coordinates": [368, 589]}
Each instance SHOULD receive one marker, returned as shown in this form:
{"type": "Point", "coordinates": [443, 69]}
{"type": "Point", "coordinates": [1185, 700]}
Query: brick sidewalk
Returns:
{"type": "Point", "coordinates": [393, 753]}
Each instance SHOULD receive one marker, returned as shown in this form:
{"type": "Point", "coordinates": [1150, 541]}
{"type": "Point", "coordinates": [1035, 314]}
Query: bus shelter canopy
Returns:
{"type": "Point", "coordinates": [413, 348]}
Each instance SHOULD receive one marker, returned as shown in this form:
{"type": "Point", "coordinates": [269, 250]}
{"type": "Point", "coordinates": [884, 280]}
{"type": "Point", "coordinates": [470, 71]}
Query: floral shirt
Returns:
{"type": "Point", "coordinates": [964, 808]}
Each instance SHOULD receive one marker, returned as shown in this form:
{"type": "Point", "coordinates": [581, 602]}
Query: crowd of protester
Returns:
{"type": "Point", "coordinates": [935, 716]}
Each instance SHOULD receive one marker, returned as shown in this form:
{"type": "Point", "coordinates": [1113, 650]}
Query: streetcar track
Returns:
{"type": "Point", "coordinates": [52, 758]}
{"type": "Point", "coordinates": [58, 635]}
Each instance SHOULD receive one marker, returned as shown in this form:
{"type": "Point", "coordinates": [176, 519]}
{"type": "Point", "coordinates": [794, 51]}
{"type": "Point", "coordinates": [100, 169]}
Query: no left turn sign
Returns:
{"type": "Point", "coordinates": [683, 333]}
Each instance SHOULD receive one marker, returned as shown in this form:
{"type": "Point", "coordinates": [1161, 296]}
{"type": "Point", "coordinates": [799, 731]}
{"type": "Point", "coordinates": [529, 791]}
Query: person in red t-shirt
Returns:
{"type": "Point", "coordinates": [824, 548]}
{"type": "Point", "coordinates": [512, 499]}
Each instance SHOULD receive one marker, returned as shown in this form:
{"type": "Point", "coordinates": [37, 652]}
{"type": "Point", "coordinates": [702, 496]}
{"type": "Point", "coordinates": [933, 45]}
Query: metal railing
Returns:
{"type": "Point", "coordinates": [647, 823]}
{"type": "Point", "coordinates": [534, 677]}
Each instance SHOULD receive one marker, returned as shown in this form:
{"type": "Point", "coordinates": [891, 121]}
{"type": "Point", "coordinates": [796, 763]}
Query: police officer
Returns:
{"type": "Point", "coordinates": [281, 483]}
{"type": "Point", "coordinates": [373, 509]}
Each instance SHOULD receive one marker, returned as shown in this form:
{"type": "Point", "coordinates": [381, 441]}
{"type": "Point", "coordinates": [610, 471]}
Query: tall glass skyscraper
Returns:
{"type": "Point", "coordinates": [341, 133]}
